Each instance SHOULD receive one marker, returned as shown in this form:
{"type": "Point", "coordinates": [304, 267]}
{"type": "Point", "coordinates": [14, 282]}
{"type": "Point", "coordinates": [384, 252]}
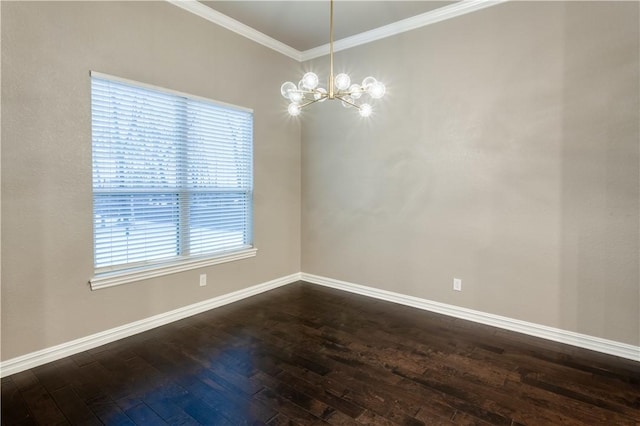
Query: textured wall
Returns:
{"type": "Point", "coordinates": [506, 154]}
{"type": "Point", "coordinates": [48, 49]}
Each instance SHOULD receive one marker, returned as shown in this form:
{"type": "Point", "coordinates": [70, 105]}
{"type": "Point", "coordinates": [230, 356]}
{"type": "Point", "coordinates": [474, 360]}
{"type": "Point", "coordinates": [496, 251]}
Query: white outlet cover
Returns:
{"type": "Point", "coordinates": [457, 284]}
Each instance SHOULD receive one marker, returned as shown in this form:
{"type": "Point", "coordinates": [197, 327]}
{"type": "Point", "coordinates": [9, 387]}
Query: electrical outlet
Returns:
{"type": "Point", "coordinates": [203, 280]}
{"type": "Point", "coordinates": [457, 284]}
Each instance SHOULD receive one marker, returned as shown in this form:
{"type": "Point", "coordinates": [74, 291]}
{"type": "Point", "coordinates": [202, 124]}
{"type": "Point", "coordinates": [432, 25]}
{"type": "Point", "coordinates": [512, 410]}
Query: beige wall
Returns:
{"type": "Point", "coordinates": [47, 51]}
{"type": "Point", "coordinates": [506, 154]}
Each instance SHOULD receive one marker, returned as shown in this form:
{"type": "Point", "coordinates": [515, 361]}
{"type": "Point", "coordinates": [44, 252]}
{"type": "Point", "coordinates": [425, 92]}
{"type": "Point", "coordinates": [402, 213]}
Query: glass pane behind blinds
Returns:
{"type": "Point", "coordinates": [172, 176]}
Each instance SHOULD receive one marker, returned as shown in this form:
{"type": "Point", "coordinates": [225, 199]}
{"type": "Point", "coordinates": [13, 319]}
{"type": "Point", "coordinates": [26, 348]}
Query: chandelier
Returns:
{"type": "Point", "coordinates": [308, 92]}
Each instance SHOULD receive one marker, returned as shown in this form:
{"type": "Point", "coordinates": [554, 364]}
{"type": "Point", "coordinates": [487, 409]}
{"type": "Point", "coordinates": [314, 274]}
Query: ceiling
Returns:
{"type": "Point", "coordinates": [304, 25]}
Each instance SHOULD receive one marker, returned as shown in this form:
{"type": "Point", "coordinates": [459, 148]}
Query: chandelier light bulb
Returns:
{"type": "Point", "coordinates": [356, 91]}
{"type": "Point", "coordinates": [342, 81]}
{"type": "Point", "coordinates": [318, 95]}
{"type": "Point", "coordinates": [296, 96]}
{"type": "Point", "coordinates": [310, 80]}
{"type": "Point", "coordinates": [294, 109]}
{"type": "Point", "coordinates": [368, 81]}
{"type": "Point", "coordinates": [286, 88]}
{"type": "Point", "coordinates": [365, 110]}
{"type": "Point", "coordinates": [377, 90]}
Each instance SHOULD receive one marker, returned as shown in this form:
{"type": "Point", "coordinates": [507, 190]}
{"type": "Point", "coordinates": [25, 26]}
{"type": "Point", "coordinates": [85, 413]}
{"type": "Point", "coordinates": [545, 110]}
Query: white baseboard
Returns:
{"type": "Point", "coordinates": [610, 347]}
{"type": "Point", "coordinates": [34, 359]}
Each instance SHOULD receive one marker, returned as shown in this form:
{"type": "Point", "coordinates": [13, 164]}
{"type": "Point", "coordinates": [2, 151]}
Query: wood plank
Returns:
{"type": "Point", "coordinates": [38, 400]}
{"type": "Point", "coordinates": [73, 407]}
{"type": "Point", "coordinates": [14, 408]}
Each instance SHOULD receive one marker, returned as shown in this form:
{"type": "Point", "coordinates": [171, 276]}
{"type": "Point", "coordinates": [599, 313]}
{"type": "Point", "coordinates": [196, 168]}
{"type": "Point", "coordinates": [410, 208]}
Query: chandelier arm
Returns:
{"type": "Point", "coordinates": [311, 102]}
{"type": "Point", "coordinates": [347, 102]}
{"type": "Point", "coordinates": [308, 91]}
{"type": "Point", "coordinates": [351, 92]}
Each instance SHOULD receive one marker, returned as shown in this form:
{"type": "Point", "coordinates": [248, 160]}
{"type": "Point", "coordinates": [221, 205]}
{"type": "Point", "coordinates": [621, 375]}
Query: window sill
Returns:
{"type": "Point", "coordinates": [110, 279]}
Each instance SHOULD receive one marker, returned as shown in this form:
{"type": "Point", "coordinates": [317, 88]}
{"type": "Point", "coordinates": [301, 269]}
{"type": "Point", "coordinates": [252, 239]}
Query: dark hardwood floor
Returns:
{"type": "Point", "coordinates": [308, 355]}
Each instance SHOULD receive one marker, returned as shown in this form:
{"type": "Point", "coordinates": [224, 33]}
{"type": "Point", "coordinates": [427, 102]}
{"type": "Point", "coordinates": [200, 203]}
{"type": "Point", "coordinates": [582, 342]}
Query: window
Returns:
{"type": "Point", "coordinates": [172, 180]}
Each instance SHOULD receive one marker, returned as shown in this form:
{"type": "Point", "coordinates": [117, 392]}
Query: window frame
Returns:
{"type": "Point", "coordinates": [107, 276]}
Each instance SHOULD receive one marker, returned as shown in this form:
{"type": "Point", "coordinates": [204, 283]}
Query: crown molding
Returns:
{"type": "Point", "coordinates": [437, 15]}
{"type": "Point", "coordinates": [237, 27]}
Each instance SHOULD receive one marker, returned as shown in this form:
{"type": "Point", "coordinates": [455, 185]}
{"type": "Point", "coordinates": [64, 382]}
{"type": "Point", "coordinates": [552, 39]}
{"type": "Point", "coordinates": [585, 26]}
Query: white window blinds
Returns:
{"type": "Point", "coordinates": [172, 176]}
